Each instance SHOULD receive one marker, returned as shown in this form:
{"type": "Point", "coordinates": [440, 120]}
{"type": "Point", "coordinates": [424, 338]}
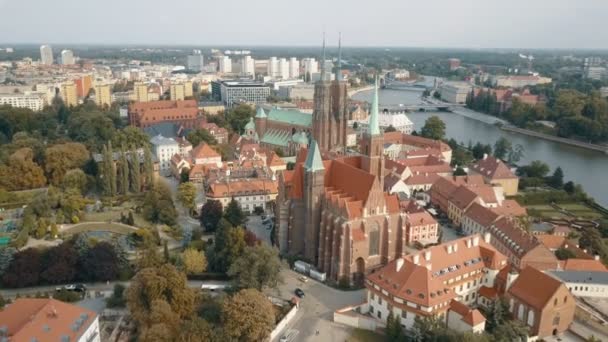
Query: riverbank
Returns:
{"type": "Point", "coordinates": [561, 140]}
{"type": "Point", "coordinates": [358, 90]}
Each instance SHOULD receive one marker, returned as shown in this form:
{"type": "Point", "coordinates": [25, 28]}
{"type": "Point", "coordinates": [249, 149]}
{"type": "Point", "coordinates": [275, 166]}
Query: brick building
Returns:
{"type": "Point", "coordinates": [144, 114]}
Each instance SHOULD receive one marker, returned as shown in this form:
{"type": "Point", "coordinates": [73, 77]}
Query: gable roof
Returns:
{"type": "Point", "coordinates": [462, 197]}
{"type": "Point", "coordinates": [534, 287]}
{"type": "Point", "coordinates": [204, 151]}
{"type": "Point", "coordinates": [492, 168]}
{"type": "Point", "coordinates": [290, 117]}
{"type": "Point", "coordinates": [481, 215]}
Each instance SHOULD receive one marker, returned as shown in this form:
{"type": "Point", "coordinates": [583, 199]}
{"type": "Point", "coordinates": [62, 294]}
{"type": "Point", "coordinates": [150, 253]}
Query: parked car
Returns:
{"type": "Point", "coordinates": [303, 279]}
{"type": "Point", "coordinates": [73, 287]}
{"type": "Point", "coordinates": [299, 293]}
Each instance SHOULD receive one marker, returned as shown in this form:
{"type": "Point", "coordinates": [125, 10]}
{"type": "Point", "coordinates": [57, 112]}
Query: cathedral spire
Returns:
{"type": "Point", "coordinates": [313, 159]}
{"type": "Point", "coordinates": [323, 60]}
{"type": "Point", "coordinates": [373, 127]}
{"type": "Point", "coordinates": [339, 70]}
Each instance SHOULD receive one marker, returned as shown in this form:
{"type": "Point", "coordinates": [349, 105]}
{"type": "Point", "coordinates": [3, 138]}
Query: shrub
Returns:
{"type": "Point", "coordinates": [67, 296]}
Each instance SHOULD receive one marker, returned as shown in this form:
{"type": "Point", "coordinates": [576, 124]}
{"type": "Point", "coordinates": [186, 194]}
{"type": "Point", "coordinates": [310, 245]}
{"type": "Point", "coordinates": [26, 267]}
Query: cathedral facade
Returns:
{"type": "Point", "coordinates": [331, 208]}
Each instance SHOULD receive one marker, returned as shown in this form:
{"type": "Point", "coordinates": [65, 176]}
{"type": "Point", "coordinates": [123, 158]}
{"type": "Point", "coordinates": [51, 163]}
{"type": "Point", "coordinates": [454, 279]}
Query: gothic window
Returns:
{"type": "Point", "coordinates": [530, 318]}
{"type": "Point", "coordinates": [374, 238]}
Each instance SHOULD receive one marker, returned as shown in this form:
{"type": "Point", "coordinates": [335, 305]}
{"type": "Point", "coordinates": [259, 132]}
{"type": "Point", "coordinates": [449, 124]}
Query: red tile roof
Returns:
{"type": "Point", "coordinates": [534, 287]}
{"type": "Point", "coordinates": [462, 197]}
{"type": "Point", "coordinates": [510, 208]}
{"type": "Point", "coordinates": [481, 215]}
{"type": "Point", "coordinates": [472, 317]}
{"type": "Point", "coordinates": [492, 168]}
{"type": "Point", "coordinates": [204, 151]}
{"type": "Point", "coordinates": [584, 265]}
{"type": "Point", "coordinates": [420, 219]}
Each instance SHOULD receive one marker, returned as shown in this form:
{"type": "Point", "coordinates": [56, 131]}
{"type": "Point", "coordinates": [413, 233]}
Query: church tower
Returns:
{"type": "Point", "coordinates": [314, 183]}
{"type": "Point", "coordinates": [260, 122]}
{"type": "Point", "coordinates": [372, 143]}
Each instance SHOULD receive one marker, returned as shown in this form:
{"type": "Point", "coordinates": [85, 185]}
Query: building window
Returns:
{"type": "Point", "coordinates": [404, 314]}
{"type": "Point", "coordinates": [379, 300]}
{"type": "Point", "coordinates": [379, 314]}
{"type": "Point", "coordinates": [371, 309]}
{"type": "Point", "coordinates": [556, 320]}
{"type": "Point", "coordinates": [374, 238]}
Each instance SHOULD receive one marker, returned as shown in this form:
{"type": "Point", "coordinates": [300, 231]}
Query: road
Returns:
{"type": "Point", "coordinates": [316, 309]}
{"type": "Point", "coordinates": [261, 231]}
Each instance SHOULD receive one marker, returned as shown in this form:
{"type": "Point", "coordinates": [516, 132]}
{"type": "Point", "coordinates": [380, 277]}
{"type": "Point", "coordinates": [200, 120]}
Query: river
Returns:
{"type": "Point", "coordinates": [588, 168]}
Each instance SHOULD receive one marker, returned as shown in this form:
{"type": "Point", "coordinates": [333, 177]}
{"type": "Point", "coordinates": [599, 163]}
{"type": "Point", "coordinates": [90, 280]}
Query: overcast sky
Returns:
{"type": "Point", "coordinates": [412, 23]}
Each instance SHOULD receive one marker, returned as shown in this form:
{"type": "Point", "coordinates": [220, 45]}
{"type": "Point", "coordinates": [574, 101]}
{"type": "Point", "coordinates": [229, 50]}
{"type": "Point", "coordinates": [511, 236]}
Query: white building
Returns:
{"type": "Point", "coordinates": [273, 67]}
{"type": "Point", "coordinates": [34, 102]}
{"type": "Point", "coordinates": [294, 68]}
{"type": "Point", "coordinates": [249, 92]}
{"type": "Point", "coordinates": [225, 64]}
{"type": "Point", "coordinates": [46, 55]}
{"type": "Point", "coordinates": [67, 57]}
{"type": "Point", "coordinates": [311, 66]}
{"type": "Point", "coordinates": [285, 83]}
{"type": "Point", "coordinates": [248, 66]}
{"type": "Point", "coordinates": [595, 73]}
{"type": "Point", "coordinates": [455, 92]}
{"type": "Point", "coordinates": [518, 81]}
{"type": "Point", "coordinates": [584, 283]}
{"type": "Point", "coordinates": [164, 148]}
{"type": "Point", "coordinates": [195, 62]}
{"type": "Point", "coordinates": [399, 121]}
{"type": "Point", "coordinates": [283, 69]}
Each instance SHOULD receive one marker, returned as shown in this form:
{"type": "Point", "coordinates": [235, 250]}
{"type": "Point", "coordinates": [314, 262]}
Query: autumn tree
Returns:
{"type": "Point", "coordinates": [161, 324]}
{"type": "Point", "coordinates": [75, 179]}
{"type": "Point", "coordinates": [194, 261]}
{"type": "Point", "coordinates": [211, 214]}
{"type": "Point", "coordinates": [186, 194]}
{"type": "Point", "coordinates": [158, 205]}
{"type": "Point", "coordinates": [247, 316]}
{"type": "Point", "coordinates": [259, 266]}
{"type": "Point", "coordinates": [164, 283]}
{"type": "Point", "coordinates": [63, 157]}
{"type": "Point", "coordinates": [196, 329]}
{"type": "Point", "coordinates": [24, 269]}
{"type": "Point", "coordinates": [60, 264]}
{"type": "Point", "coordinates": [21, 172]}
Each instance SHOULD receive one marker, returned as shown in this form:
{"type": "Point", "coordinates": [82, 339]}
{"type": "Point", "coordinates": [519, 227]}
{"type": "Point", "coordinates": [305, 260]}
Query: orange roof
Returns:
{"type": "Point", "coordinates": [44, 320]}
{"type": "Point", "coordinates": [485, 192]}
{"type": "Point", "coordinates": [584, 265]}
{"type": "Point", "coordinates": [523, 241]}
{"type": "Point", "coordinates": [422, 218]}
{"type": "Point", "coordinates": [551, 241]}
{"type": "Point", "coordinates": [481, 215]}
{"type": "Point", "coordinates": [274, 160]}
{"type": "Point", "coordinates": [392, 203]}
{"type": "Point", "coordinates": [510, 208]}
{"type": "Point", "coordinates": [204, 151]}
{"type": "Point", "coordinates": [242, 188]}
{"type": "Point", "coordinates": [488, 292]}
{"type": "Point", "coordinates": [467, 180]}
{"type": "Point", "coordinates": [429, 178]}
{"type": "Point", "coordinates": [534, 287]}
{"type": "Point", "coordinates": [492, 168]}
{"type": "Point", "coordinates": [470, 316]}
{"type": "Point", "coordinates": [463, 197]}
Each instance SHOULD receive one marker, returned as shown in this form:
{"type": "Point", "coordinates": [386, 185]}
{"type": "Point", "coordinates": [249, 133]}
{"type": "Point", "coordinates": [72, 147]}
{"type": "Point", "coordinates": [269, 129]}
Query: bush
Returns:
{"type": "Point", "coordinates": [75, 219]}
{"type": "Point", "coordinates": [67, 296]}
{"type": "Point", "coordinates": [117, 300]}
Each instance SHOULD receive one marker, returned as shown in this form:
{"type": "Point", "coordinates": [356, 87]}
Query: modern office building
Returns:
{"type": "Point", "coordinates": [69, 94]}
{"type": "Point", "coordinates": [67, 57]}
{"type": "Point", "coordinates": [46, 55]}
{"type": "Point", "coordinates": [248, 66]}
{"type": "Point", "coordinates": [103, 95]}
{"type": "Point", "coordinates": [243, 91]}
{"type": "Point", "coordinates": [195, 62]}
{"type": "Point", "coordinates": [31, 101]}
{"type": "Point", "coordinates": [225, 64]}
{"type": "Point", "coordinates": [455, 92]}
{"type": "Point", "coordinates": [294, 68]}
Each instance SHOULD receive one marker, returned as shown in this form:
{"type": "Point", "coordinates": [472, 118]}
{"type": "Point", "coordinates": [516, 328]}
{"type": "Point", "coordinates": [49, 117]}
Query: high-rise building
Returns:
{"type": "Point", "coordinates": [188, 89]}
{"type": "Point", "coordinates": [195, 62]}
{"type": "Point", "coordinates": [273, 67]}
{"type": "Point", "coordinates": [283, 68]}
{"type": "Point", "coordinates": [34, 102]}
{"type": "Point", "coordinates": [67, 57]}
{"type": "Point", "coordinates": [311, 66]}
{"type": "Point", "coordinates": [177, 92]}
{"type": "Point", "coordinates": [103, 95]}
{"type": "Point", "coordinates": [140, 92]}
{"type": "Point", "coordinates": [68, 94]}
{"type": "Point", "coordinates": [248, 66]}
{"type": "Point", "coordinates": [225, 64]}
{"type": "Point", "coordinates": [83, 85]}
{"type": "Point", "coordinates": [294, 68]}
{"type": "Point", "coordinates": [233, 92]}
{"type": "Point", "coordinates": [46, 55]}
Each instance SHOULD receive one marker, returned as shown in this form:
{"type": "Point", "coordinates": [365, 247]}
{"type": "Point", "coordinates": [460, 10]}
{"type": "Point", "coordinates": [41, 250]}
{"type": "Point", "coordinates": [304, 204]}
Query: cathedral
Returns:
{"type": "Point", "coordinates": [332, 209]}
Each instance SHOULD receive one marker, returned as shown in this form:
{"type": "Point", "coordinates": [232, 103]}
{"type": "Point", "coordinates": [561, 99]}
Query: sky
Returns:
{"type": "Point", "coordinates": [399, 23]}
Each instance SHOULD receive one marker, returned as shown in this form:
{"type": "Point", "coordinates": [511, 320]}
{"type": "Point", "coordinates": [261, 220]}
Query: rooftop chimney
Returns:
{"type": "Point", "coordinates": [487, 237]}
{"type": "Point", "coordinates": [399, 264]}
{"type": "Point", "coordinates": [468, 243]}
{"type": "Point", "coordinates": [455, 247]}
{"type": "Point", "coordinates": [416, 259]}
{"type": "Point", "coordinates": [476, 241]}
{"type": "Point", "coordinates": [427, 255]}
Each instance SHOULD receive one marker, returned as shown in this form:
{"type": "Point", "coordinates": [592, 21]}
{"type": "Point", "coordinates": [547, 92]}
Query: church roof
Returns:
{"type": "Point", "coordinates": [313, 160]}
{"type": "Point", "coordinates": [250, 124]}
{"type": "Point", "coordinates": [300, 138]}
{"type": "Point", "coordinates": [374, 128]}
{"type": "Point", "coordinates": [261, 114]}
{"type": "Point", "coordinates": [290, 117]}
{"type": "Point", "coordinates": [276, 137]}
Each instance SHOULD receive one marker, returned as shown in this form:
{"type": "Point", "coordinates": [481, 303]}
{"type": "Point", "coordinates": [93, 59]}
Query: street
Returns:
{"type": "Point", "coordinates": [254, 224]}
{"type": "Point", "coordinates": [316, 309]}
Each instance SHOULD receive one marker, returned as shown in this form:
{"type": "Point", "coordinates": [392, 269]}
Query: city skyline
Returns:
{"type": "Point", "coordinates": [544, 24]}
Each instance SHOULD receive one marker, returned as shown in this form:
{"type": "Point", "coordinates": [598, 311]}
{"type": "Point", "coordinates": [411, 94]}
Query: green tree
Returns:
{"type": "Point", "coordinates": [234, 214]}
{"type": "Point", "coordinates": [211, 214]}
{"type": "Point", "coordinates": [195, 137]}
{"type": "Point", "coordinates": [434, 128]}
{"type": "Point", "coordinates": [512, 330]}
{"type": "Point", "coordinates": [394, 332]}
{"type": "Point", "coordinates": [459, 172]}
{"type": "Point", "coordinates": [564, 253]}
{"type": "Point", "coordinates": [390, 128]}
{"type": "Point", "coordinates": [134, 170]}
{"type": "Point", "coordinates": [248, 316]}
{"type": "Point", "coordinates": [158, 205]}
{"type": "Point", "coordinates": [238, 117]}
{"type": "Point", "coordinates": [75, 179]}
{"type": "Point", "coordinates": [258, 267]}
{"type": "Point", "coordinates": [515, 154]}
{"type": "Point", "coordinates": [186, 194]}
{"type": "Point", "coordinates": [148, 167]}
{"type": "Point", "coordinates": [228, 245]}
{"type": "Point", "coordinates": [131, 136]}
{"type": "Point", "coordinates": [502, 148]}
{"type": "Point", "coordinates": [6, 257]}
{"type": "Point", "coordinates": [123, 169]}
{"type": "Point", "coordinates": [108, 173]}
{"type": "Point", "coordinates": [497, 314]}
{"type": "Point", "coordinates": [557, 178]}
{"type": "Point", "coordinates": [536, 169]}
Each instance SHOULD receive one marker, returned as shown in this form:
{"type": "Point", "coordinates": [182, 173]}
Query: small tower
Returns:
{"type": "Point", "coordinates": [314, 181]}
{"type": "Point", "coordinates": [372, 143]}
{"type": "Point", "coordinates": [260, 121]}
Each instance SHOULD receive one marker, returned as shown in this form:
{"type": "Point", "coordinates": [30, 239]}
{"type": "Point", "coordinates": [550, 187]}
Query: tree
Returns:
{"type": "Point", "coordinates": [394, 332]}
{"type": "Point", "coordinates": [211, 213]}
{"type": "Point", "coordinates": [390, 128]}
{"type": "Point", "coordinates": [134, 170]}
{"type": "Point", "coordinates": [248, 316]}
{"type": "Point", "coordinates": [511, 330]}
{"type": "Point", "coordinates": [100, 263]}
{"type": "Point", "coordinates": [164, 283]}
{"type": "Point", "coordinates": [425, 328]}
{"type": "Point", "coordinates": [186, 194]}
{"type": "Point", "coordinates": [228, 245]}
{"type": "Point", "coordinates": [158, 205]}
{"type": "Point", "coordinates": [564, 253]}
{"type": "Point", "coordinates": [234, 214]}
{"type": "Point", "coordinates": [569, 187]}
{"type": "Point", "coordinates": [21, 172]}
{"type": "Point", "coordinates": [108, 173]}
{"type": "Point", "coordinates": [515, 154]}
{"type": "Point", "coordinates": [63, 157]}
{"type": "Point", "coordinates": [6, 257]}
{"type": "Point", "coordinates": [238, 117]}
{"type": "Point", "coordinates": [557, 179]}
{"type": "Point", "coordinates": [434, 128]}
{"type": "Point", "coordinates": [460, 172]}
{"type": "Point", "coordinates": [24, 269]}
{"type": "Point", "coordinates": [184, 176]}
{"type": "Point", "coordinates": [195, 137]}
{"type": "Point", "coordinates": [60, 265]}
{"type": "Point", "coordinates": [196, 329]}
{"type": "Point", "coordinates": [162, 323]}
{"type": "Point", "coordinates": [194, 261]}
{"type": "Point", "coordinates": [75, 179]}
{"type": "Point", "coordinates": [502, 148]}
{"type": "Point", "coordinates": [123, 172]}
{"type": "Point", "coordinates": [497, 314]}
{"type": "Point", "coordinates": [536, 169]}
{"type": "Point", "coordinates": [148, 167]}
{"type": "Point", "coordinates": [131, 136]}
{"type": "Point", "coordinates": [117, 300]}
{"type": "Point", "coordinates": [259, 266]}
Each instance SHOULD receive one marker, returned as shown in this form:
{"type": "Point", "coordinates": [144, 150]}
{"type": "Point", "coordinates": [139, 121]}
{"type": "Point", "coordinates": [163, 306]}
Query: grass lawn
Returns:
{"type": "Point", "coordinates": [114, 215]}
{"type": "Point", "coordinates": [361, 335]}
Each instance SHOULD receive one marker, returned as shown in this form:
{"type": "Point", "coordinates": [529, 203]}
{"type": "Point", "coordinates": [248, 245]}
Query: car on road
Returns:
{"type": "Point", "coordinates": [299, 293]}
{"type": "Point", "coordinates": [284, 338]}
{"type": "Point", "coordinates": [73, 287]}
{"type": "Point", "coordinates": [303, 279]}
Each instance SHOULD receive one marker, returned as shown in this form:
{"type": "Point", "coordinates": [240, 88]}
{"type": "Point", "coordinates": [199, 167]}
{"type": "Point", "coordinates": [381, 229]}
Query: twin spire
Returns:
{"type": "Point", "coordinates": [339, 69]}
{"type": "Point", "coordinates": [374, 128]}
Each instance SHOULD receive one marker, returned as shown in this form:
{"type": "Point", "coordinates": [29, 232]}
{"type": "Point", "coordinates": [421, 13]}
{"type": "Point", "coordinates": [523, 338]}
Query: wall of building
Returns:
{"type": "Point", "coordinates": [588, 289]}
